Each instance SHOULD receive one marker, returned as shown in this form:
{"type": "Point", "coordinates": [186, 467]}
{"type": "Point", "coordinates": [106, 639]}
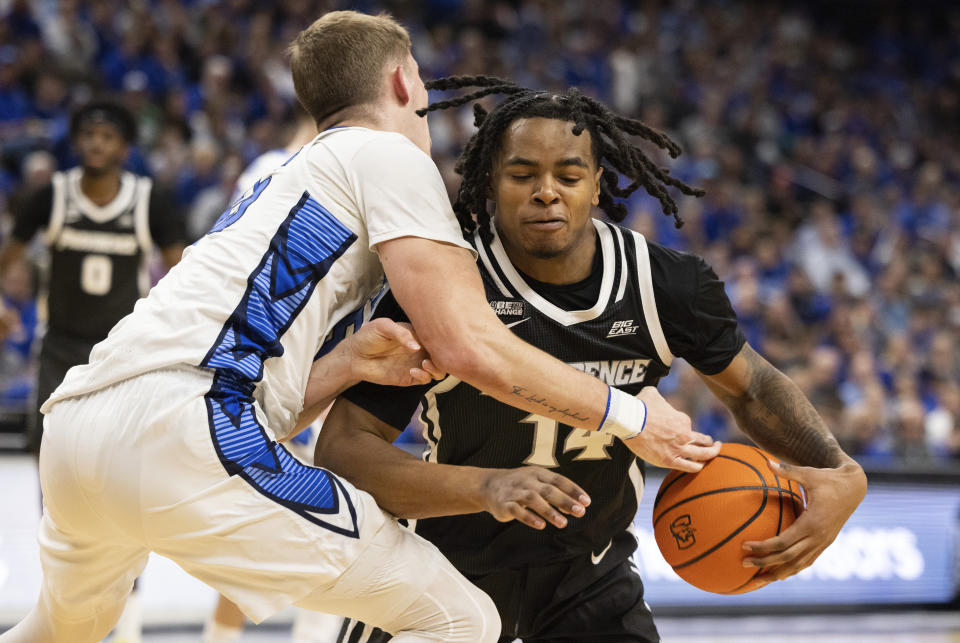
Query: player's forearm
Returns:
{"type": "Point", "coordinates": [774, 413]}
{"type": "Point", "coordinates": [515, 373]}
{"type": "Point", "coordinates": [401, 484]}
{"type": "Point", "coordinates": [330, 376]}
{"type": "Point", "coordinates": [440, 289]}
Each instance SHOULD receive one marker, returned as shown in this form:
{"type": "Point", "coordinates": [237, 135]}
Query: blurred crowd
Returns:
{"type": "Point", "coordinates": [827, 141]}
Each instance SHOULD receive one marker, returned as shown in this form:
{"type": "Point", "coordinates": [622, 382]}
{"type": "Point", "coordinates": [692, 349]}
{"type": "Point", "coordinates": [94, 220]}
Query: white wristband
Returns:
{"type": "Point", "coordinates": [626, 415]}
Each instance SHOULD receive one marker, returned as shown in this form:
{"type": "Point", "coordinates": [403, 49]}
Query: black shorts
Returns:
{"type": "Point", "coordinates": [574, 601]}
{"type": "Point", "coordinates": [58, 354]}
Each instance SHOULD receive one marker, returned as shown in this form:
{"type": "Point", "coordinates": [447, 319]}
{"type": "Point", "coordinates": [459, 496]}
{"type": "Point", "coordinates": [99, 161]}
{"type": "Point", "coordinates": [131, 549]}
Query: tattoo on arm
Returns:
{"type": "Point", "coordinates": [525, 394]}
{"type": "Point", "coordinates": [777, 415]}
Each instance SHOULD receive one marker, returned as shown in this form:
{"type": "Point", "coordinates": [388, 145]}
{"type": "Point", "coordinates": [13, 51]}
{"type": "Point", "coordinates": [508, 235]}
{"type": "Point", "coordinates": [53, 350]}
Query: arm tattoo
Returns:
{"type": "Point", "coordinates": [776, 414]}
{"type": "Point", "coordinates": [550, 409]}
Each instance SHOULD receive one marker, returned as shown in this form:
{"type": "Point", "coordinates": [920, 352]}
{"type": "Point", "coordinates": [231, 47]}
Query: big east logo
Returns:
{"type": "Point", "coordinates": [621, 328]}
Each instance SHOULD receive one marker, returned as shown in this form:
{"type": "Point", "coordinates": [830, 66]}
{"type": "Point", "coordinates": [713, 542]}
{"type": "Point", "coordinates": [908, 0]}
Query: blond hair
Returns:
{"type": "Point", "coordinates": [338, 61]}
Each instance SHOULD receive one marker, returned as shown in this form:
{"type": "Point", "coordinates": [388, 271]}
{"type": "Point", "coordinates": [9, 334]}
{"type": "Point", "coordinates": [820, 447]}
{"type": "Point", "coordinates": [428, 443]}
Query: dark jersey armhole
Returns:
{"type": "Point", "coordinates": [167, 227]}
{"type": "Point", "coordinates": [34, 214]}
{"type": "Point", "coordinates": [393, 405]}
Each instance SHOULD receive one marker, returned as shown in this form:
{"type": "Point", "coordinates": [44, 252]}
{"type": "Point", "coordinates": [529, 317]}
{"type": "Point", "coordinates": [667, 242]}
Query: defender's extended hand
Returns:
{"type": "Point", "coordinates": [668, 439]}
{"type": "Point", "coordinates": [832, 496]}
{"type": "Point", "coordinates": [531, 494]}
{"type": "Point", "coordinates": [388, 352]}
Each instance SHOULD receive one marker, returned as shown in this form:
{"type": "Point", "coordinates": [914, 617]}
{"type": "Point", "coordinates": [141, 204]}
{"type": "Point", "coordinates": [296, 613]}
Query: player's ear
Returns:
{"type": "Point", "coordinates": [596, 187]}
{"type": "Point", "coordinates": [399, 85]}
{"type": "Point", "coordinates": [492, 179]}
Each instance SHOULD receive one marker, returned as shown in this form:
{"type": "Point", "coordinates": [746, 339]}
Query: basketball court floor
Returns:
{"type": "Point", "coordinates": [900, 627]}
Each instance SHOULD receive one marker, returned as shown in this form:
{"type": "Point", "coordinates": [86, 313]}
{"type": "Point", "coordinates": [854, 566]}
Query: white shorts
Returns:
{"type": "Point", "coordinates": [142, 466]}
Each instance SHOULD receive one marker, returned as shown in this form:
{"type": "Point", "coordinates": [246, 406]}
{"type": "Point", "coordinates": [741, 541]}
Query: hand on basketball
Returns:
{"type": "Point", "coordinates": [668, 439]}
{"type": "Point", "coordinates": [387, 352]}
{"type": "Point", "coordinates": [532, 495]}
{"type": "Point", "coordinates": [832, 496]}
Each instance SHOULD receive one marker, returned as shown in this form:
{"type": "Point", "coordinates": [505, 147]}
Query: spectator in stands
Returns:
{"type": "Point", "coordinates": [816, 165]}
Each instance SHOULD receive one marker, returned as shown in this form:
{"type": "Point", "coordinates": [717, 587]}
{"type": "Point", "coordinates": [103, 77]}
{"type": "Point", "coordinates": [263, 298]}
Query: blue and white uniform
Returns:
{"type": "Point", "coordinates": [167, 439]}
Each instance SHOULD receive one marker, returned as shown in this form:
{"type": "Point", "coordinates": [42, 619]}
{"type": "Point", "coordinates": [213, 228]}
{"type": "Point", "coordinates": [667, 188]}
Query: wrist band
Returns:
{"type": "Point", "coordinates": [626, 415]}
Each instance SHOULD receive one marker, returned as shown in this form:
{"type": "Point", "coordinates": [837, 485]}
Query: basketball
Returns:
{"type": "Point", "coordinates": [701, 520]}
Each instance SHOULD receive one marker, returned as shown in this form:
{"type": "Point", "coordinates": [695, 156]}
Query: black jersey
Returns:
{"type": "Point", "coordinates": [624, 338]}
{"type": "Point", "coordinates": [98, 254]}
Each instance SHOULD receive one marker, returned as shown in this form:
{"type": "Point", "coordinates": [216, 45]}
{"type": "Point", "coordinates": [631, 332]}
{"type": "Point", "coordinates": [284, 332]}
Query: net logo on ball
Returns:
{"type": "Point", "coordinates": [683, 532]}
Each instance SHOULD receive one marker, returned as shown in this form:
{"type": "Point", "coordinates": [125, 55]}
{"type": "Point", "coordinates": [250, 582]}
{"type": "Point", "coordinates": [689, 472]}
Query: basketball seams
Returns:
{"type": "Point", "coordinates": [776, 479]}
{"type": "Point", "coordinates": [763, 487]}
{"type": "Point", "coordinates": [702, 555]}
{"type": "Point", "coordinates": [763, 505]}
{"type": "Point", "coordinates": [712, 569]}
{"type": "Point", "coordinates": [669, 483]}
{"type": "Point", "coordinates": [721, 456]}
{"type": "Point", "coordinates": [745, 583]}
{"type": "Point", "coordinates": [680, 475]}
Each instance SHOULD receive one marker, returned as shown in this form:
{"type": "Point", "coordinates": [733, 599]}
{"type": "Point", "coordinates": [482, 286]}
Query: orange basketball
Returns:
{"type": "Point", "coordinates": [701, 520]}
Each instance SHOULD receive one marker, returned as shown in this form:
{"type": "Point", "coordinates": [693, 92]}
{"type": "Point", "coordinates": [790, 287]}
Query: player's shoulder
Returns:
{"type": "Point", "coordinates": [360, 146]}
{"type": "Point", "coordinates": [660, 256]}
{"type": "Point", "coordinates": [666, 259]}
{"type": "Point", "coordinates": [674, 273]}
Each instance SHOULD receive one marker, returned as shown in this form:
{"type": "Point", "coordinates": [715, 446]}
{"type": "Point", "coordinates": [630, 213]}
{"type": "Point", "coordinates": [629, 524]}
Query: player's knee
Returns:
{"type": "Point", "coordinates": [483, 622]}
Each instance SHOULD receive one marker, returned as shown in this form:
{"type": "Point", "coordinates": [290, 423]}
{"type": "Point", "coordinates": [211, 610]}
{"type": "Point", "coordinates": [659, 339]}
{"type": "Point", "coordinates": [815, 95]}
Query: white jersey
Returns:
{"type": "Point", "coordinates": [256, 297]}
{"type": "Point", "coordinates": [258, 168]}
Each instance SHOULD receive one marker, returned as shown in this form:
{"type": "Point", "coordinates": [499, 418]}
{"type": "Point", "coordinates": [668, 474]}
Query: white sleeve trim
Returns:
{"type": "Point", "coordinates": [649, 301]}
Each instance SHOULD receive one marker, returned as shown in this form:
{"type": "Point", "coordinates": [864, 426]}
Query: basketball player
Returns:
{"type": "Point", "coordinates": [167, 440]}
{"type": "Point", "coordinates": [304, 129]}
{"type": "Point", "coordinates": [101, 225]}
{"type": "Point", "coordinates": [226, 622]}
{"type": "Point", "coordinates": [604, 299]}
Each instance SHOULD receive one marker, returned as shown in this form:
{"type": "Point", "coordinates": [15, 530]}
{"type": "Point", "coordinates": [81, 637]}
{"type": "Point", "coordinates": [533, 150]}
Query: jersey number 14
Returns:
{"type": "Point", "coordinates": [593, 444]}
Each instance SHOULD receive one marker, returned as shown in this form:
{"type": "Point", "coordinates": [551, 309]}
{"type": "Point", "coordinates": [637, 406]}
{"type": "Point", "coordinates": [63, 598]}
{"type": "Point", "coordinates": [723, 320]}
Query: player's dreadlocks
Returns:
{"type": "Point", "coordinates": [610, 134]}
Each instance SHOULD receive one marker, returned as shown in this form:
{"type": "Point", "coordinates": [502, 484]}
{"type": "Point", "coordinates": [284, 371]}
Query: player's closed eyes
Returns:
{"type": "Point", "coordinates": [569, 180]}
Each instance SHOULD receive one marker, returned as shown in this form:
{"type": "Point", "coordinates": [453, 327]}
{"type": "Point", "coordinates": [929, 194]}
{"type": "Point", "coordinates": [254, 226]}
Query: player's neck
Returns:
{"type": "Point", "coordinates": [100, 187]}
{"type": "Point", "coordinates": [383, 117]}
{"type": "Point", "coordinates": [359, 116]}
{"type": "Point", "coordinates": [572, 265]}
{"type": "Point", "coordinates": [306, 131]}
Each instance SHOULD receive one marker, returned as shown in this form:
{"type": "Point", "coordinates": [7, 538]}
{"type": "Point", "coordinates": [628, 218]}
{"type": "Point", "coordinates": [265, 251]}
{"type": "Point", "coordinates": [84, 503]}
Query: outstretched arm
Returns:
{"type": "Point", "coordinates": [382, 351]}
{"type": "Point", "coordinates": [775, 414]}
{"type": "Point", "coordinates": [357, 445]}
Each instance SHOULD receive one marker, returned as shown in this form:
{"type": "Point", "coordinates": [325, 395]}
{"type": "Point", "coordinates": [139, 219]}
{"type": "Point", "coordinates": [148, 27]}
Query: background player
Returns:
{"type": "Point", "coordinates": [601, 297]}
{"type": "Point", "coordinates": [303, 129]}
{"type": "Point", "coordinates": [102, 224]}
{"type": "Point", "coordinates": [196, 386]}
